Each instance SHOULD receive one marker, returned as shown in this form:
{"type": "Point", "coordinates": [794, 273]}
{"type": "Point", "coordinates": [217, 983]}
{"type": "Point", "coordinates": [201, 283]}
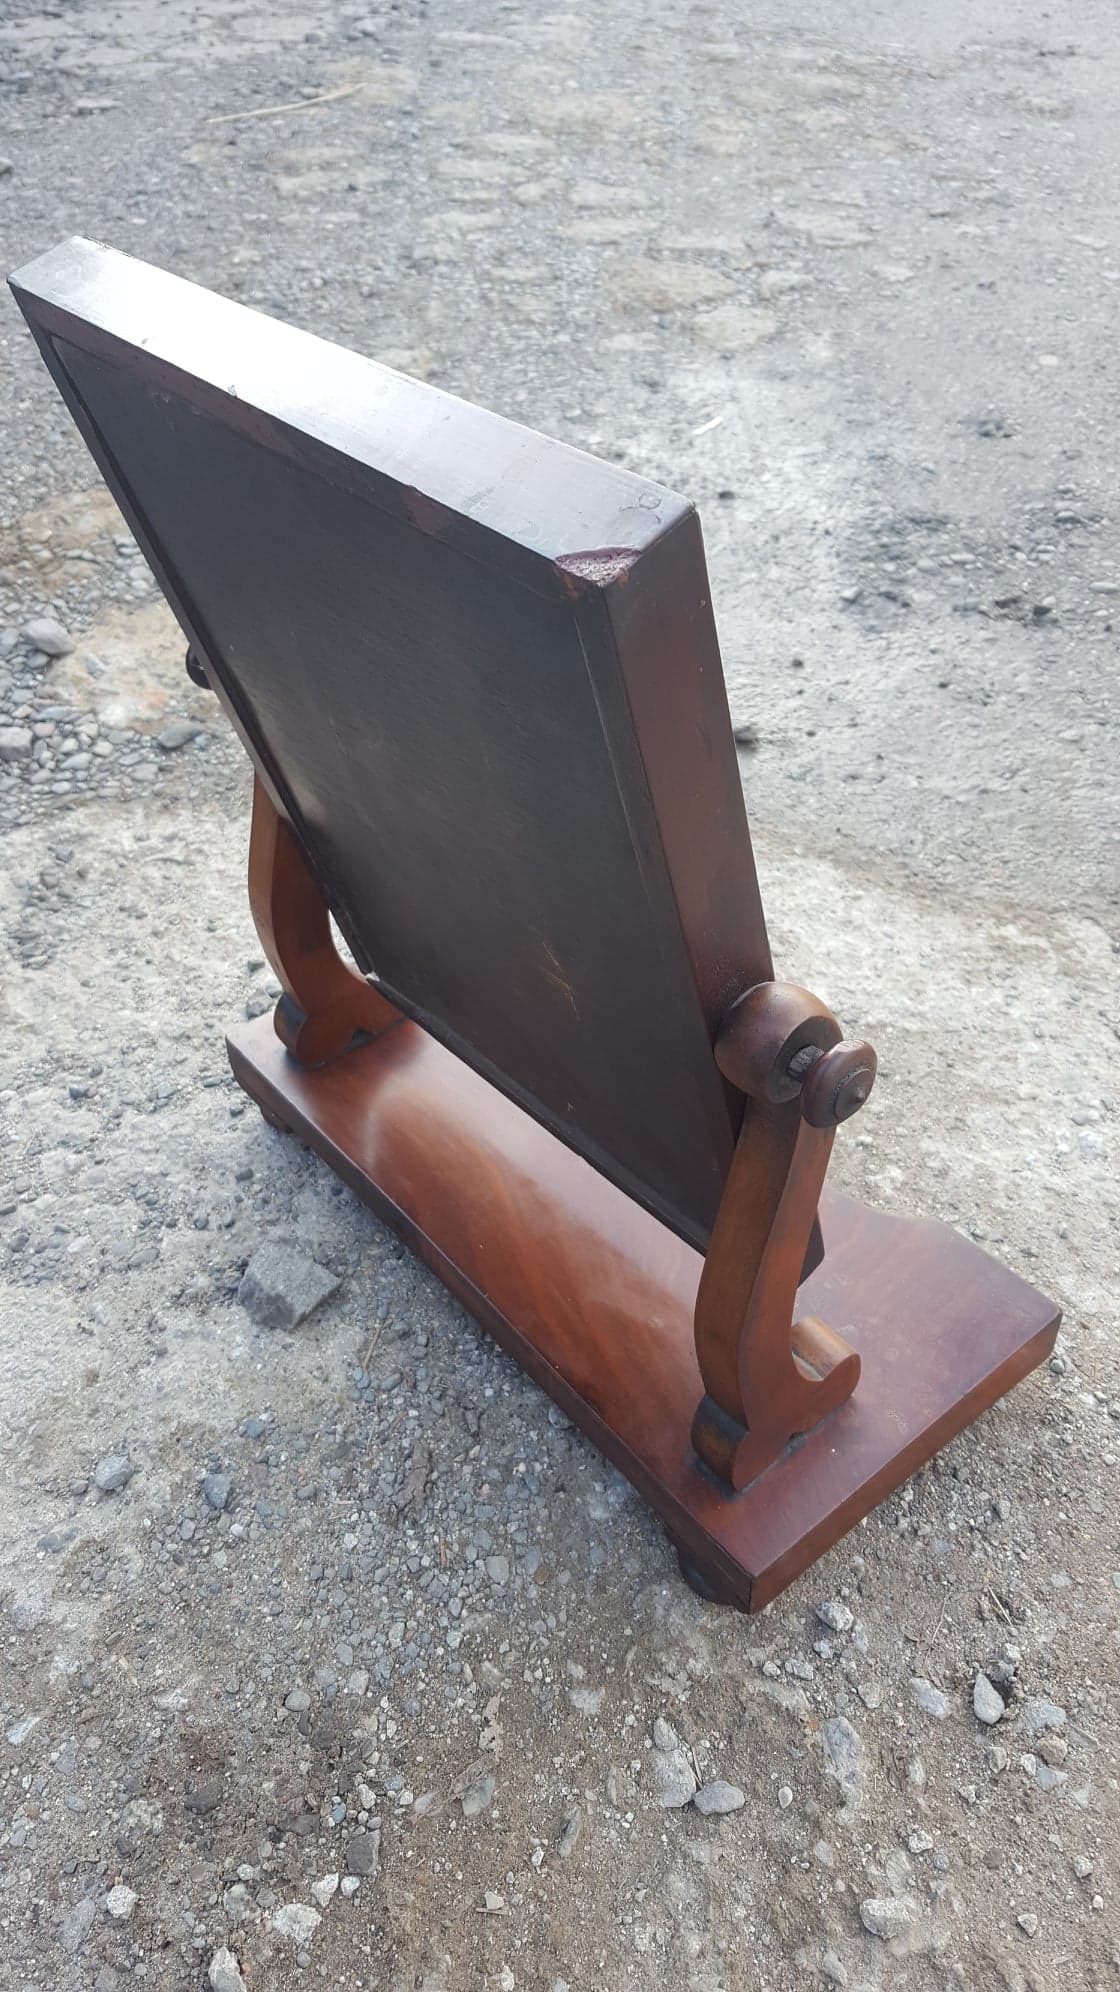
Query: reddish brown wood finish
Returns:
{"type": "Point", "coordinates": [529, 646]}
{"type": "Point", "coordinates": [325, 1002]}
{"type": "Point", "coordinates": [595, 1299]}
{"type": "Point", "coordinates": [479, 681]}
{"type": "Point", "coordinates": [769, 1378]}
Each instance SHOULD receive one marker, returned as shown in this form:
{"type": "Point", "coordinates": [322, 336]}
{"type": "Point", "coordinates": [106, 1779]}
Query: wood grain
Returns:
{"type": "Point", "coordinates": [595, 1299]}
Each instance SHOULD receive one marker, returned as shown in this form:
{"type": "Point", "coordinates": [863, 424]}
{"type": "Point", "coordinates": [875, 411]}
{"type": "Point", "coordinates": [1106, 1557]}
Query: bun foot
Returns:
{"type": "Point", "coordinates": [707, 1582]}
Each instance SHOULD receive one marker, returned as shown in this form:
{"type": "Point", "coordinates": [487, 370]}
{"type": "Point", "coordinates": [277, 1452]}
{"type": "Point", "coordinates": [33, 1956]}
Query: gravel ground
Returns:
{"type": "Point", "coordinates": [331, 1655]}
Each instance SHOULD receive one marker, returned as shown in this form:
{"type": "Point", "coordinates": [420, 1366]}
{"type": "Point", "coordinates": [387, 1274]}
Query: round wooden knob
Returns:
{"type": "Point", "coordinates": [837, 1084]}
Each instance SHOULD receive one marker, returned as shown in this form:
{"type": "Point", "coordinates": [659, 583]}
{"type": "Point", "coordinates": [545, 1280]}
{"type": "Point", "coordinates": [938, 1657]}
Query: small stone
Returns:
{"type": "Point", "coordinates": [718, 1796]}
{"type": "Point", "coordinates": [178, 734]}
{"type": "Point", "coordinates": [833, 1970]}
{"type": "Point", "coordinates": [363, 1855]}
{"type": "Point", "coordinates": [497, 1569]}
{"type": "Point", "coordinates": [76, 1925]}
{"type": "Point", "coordinates": [477, 1797]}
{"type": "Point", "coordinates": [224, 1974]}
{"type": "Point", "coordinates": [349, 1885]}
{"type": "Point", "coordinates": [297, 1701]}
{"type": "Point", "coordinates": [1040, 1715]}
{"type": "Point", "coordinates": [1082, 1866]}
{"type": "Point", "coordinates": [297, 1921]}
{"type": "Point", "coordinates": [113, 1473]}
{"type": "Point", "coordinates": [673, 1776]}
{"type": "Point", "coordinates": [746, 736]}
{"type": "Point", "coordinates": [569, 1835]}
{"type": "Point", "coordinates": [49, 636]}
{"type": "Point", "coordinates": [887, 1916]}
{"type": "Point", "coordinates": [493, 1902]}
{"type": "Point", "coordinates": [120, 1902]}
{"type": "Point", "coordinates": [6, 169]}
{"type": "Point", "coordinates": [21, 1730]}
{"type": "Point", "coordinates": [216, 1490]}
{"type": "Point", "coordinates": [931, 1700]}
{"type": "Point", "coordinates": [15, 743]}
{"type": "Point", "coordinates": [280, 1288]}
{"type": "Point", "coordinates": [987, 1702]}
{"type": "Point", "coordinates": [1028, 1923]}
{"type": "Point", "coordinates": [920, 1843]}
{"type": "Point", "coordinates": [325, 1889]}
{"type": "Point", "coordinates": [204, 1798]}
{"type": "Point", "coordinates": [845, 1758]}
{"type": "Point", "coordinates": [586, 1701]}
{"type": "Point", "coordinates": [836, 1616]}
{"type": "Point", "coordinates": [785, 1797]}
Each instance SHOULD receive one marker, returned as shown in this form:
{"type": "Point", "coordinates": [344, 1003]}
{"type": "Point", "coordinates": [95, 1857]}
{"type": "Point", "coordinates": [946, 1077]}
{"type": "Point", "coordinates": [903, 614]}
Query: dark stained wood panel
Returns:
{"type": "Point", "coordinates": [478, 671]}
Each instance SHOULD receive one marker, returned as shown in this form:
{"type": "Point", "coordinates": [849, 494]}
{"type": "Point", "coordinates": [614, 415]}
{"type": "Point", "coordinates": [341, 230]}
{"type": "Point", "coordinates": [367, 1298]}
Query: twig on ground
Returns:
{"type": "Point", "coordinates": [297, 104]}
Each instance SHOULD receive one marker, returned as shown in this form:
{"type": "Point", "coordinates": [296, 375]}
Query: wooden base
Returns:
{"type": "Point", "coordinates": [595, 1298]}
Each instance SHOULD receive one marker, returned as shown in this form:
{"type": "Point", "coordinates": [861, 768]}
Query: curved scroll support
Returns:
{"type": "Point", "coordinates": [326, 1003]}
{"type": "Point", "coordinates": [766, 1376]}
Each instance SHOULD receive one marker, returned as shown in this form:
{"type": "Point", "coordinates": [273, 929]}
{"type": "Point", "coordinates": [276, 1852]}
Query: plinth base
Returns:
{"type": "Point", "coordinates": [594, 1297]}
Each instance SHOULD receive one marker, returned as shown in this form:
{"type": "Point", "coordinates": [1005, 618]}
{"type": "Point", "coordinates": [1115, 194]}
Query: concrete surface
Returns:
{"type": "Point", "coordinates": [348, 1601]}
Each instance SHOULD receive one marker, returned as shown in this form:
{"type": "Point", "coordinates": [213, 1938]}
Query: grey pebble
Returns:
{"type": "Point", "coordinates": [224, 1974]}
{"type": "Point", "coordinates": [836, 1616]}
{"type": "Point", "coordinates": [76, 1925]}
{"type": "Point", "coordinates": [15, 743]}
{"type": "Point", "coordinates": [296, 1920]}
{"type": "Point", "coordinates": [297, 1700]}
{"type": "Point", "coordinates": [216, 1490]}
{"type": "Point", "coordinates": [931, 1700]}
{"type": "Point", "coordinates": [886, 1916]}
{"type": "Point", "coordinates": [987, 1702]}
{"type": "Point", "coordinates": [1040, 1715]}
{"type": "Point", "coordinates": [49, 636]}
{"type": "Point", "coordinates": [280, 1288]}
{"type": "Point", "coordinates": [477, 1796]}
{"type": "Point", "coordinates": [113, 1473]}
{"type": "Point", "coordinates": [673, 1776]}
{"type": "Point", "coordinates": [363, 1855]}
{"type": "Point", "coordinates": [845, 1758]}
{"type": "Point", "coordinates": [569, 1835]}
{"type": "Point", "coordinates": [178, 734]}
{"type": "Point", "coordinates": [718, 1796]}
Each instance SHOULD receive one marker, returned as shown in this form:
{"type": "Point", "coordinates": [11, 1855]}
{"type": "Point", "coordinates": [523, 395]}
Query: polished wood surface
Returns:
{"type": "Point", "coordinates": [326, 1002]}
{"type": "Point", "coordinates": [595, 1299]}
{"type": "Point", "coordinates": [770, 1371]}
{"type": "Point", "coordinates": [478, 678]}
{"type": "Point", "coordinates": [479, 675]}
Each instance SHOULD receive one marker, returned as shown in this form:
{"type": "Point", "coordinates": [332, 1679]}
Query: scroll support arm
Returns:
{"type": "Point", "coordinates": [766, 1376]}
{"type": "Point", "coordinates": [326, 1002]}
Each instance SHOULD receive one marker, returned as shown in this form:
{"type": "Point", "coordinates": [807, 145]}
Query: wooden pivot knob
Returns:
{"type": "Point", "coordinates": [837, 1084]}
